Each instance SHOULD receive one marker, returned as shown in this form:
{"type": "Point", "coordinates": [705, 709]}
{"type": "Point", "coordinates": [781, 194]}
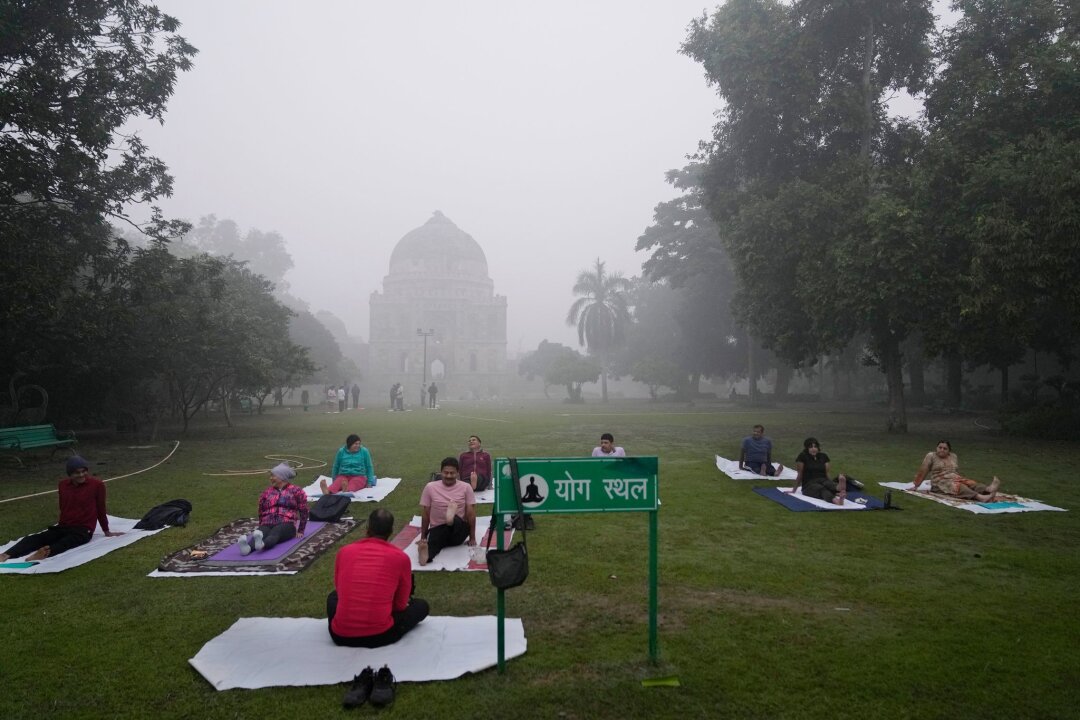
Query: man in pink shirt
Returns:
{"type": "Point", "coordinates": [448, 513]}
{"type": "Point", "coordinates": [372, 604]}
{"type": "Point", "coordinates": [82, 508]}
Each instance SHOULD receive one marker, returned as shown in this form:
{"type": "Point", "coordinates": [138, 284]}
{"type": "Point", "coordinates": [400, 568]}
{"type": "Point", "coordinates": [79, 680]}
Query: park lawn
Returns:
{"type": "Point", "coordinates": [929, 612]}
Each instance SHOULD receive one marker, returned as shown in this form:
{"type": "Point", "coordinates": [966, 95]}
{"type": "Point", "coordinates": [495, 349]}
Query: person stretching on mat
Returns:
{"type": "Point", "coordinates": [608, 448]}
{"type": "Point", "coordinates": [372, 604]}
{"type": "Point", "coordinates": [448, 513]}
{"type": "Point", "coordinates": [353, 469]}
{"type": "Point", "coordinates": [942, 465]}
{"type": "Point", "coordinates": [812, 466]}
{"type": "Point", "coordinates": [283, 512]}
{"type": "Point", "coordinates": [756, 454]}
{"type": "Point", "coordinates": [475, 465]}
{"type": "Point", "coordinates": [82, 508]}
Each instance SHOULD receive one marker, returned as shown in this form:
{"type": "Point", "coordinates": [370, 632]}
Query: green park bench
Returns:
{"type": "Point", "coordinates": [31, 437]}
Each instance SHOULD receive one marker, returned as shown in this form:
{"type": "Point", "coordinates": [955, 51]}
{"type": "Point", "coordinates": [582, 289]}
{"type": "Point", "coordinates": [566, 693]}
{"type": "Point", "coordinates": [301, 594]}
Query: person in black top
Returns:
{"type": "Point", "coordinates": [813, 468]}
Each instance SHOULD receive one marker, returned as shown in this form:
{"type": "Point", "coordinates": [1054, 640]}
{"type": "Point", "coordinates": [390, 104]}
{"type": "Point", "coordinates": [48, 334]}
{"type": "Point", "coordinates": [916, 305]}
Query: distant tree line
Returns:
{"type": "Point", "coordinates": [115, 318]}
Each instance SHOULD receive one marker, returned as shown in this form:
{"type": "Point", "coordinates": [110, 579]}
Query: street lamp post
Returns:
{"type": "Point", "coordinates": [423, 383]}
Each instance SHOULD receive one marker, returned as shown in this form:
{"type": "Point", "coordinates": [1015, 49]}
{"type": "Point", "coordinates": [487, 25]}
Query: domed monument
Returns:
{"type": "Point", "coordinates": [438, 294]}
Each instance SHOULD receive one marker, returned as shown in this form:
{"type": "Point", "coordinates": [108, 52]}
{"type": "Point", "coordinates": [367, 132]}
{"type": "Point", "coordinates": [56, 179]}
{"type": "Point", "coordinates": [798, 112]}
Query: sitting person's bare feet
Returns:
{"type": "Point", "coordinates": [422, 552]}
{"type": "Point", "coordinates": [324, 487]}
{"type": "Point", "coordinates": [994, 485]}
{"type": "Point", "coordinates": [4, 557]}
{"type": "Point", "coordinates": [40, 554]}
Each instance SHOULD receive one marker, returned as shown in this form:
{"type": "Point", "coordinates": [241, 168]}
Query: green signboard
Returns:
{"type": "Point", "coordinates": [569, 485]}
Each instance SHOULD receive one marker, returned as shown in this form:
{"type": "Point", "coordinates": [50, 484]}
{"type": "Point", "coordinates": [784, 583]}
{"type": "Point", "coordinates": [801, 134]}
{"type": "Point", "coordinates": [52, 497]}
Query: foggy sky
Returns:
{"type": "Point", "coordinates": [543, 130]}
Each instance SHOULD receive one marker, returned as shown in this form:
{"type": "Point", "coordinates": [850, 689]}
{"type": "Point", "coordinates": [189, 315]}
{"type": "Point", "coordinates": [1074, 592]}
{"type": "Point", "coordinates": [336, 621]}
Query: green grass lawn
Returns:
{"type": "Point", "coordinates": [930, 612]}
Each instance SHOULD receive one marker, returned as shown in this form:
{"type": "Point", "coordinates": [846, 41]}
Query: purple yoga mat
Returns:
{"type": "Point", "coordinates": [271, 556]}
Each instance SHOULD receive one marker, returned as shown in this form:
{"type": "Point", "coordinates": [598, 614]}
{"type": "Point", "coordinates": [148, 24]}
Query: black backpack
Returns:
{"type": "Point", "coordinates": [330, 508]}
{"type": "Point", "coordinates": [174, 512]}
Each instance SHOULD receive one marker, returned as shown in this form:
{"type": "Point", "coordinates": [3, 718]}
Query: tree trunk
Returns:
{"type": "Point", "coordinates": [892, 364]}
{"type": "Point", "coordinates": [868, 100]}
{"type": "Point", "coordinates": [751, 370]}
{"type": "Point", "coordinates": [783, 380]}
{"type": "Point", "coordinates": [603, 384]}
{"type": "Point", "coordinates": [1005, 383]}
{"type": "Point", "coordinates": [954, 378]}
{"type": "Point", "coordinates": [916, 370]}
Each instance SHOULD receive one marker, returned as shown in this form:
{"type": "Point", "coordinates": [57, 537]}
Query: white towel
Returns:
{"type": "Point", "coordinates": [439, 648]}
{"type": "Point", "coordinates": [99, 545]}
{"type": "Point", "coordinates": [383, 487]}
{"type": "Point", "coordinates": [731, 469]}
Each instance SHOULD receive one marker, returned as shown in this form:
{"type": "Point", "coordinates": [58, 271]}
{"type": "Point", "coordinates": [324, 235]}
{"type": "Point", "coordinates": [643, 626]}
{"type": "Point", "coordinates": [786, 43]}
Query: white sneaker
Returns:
{"type": "Point", "coordinates": [245, 545]}
{"type": "Point", "coordinates": [257, 540]}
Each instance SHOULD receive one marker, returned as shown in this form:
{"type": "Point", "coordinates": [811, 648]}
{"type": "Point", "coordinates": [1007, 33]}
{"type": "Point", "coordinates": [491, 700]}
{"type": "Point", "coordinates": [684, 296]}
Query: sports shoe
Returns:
{"type": "Point", "coordinates": [358, 693]}
{"type": "Point", "coordinates": [245, 544]}
{"type": "Point", "coordinates": [257, 540]}
{"type": "Point", "coordinates": [382, 692]}
{"type": "Point", "coordinates": [451, 512]}
{"type": "Point", "coordinates": [422, 552]}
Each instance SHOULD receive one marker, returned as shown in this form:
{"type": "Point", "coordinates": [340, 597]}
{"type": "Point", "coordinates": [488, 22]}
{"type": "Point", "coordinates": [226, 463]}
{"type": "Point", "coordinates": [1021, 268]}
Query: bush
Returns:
{"type": "Point", "coordinates": [1047, 421]}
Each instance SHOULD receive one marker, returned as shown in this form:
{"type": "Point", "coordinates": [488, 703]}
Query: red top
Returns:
{"type": "Point", "coordinates": [83, 504]}
{"type": "Point", "coordinates": [372, 578]}
{"type": "Point", "coordinates": [479, 461]}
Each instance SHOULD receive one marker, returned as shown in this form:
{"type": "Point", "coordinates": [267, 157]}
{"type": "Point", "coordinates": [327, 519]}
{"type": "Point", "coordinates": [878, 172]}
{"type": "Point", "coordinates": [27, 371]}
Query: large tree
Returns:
{"type": "Point", "coordinates": [820, 234]}
{"type": "Point", "coordinates": [72, 74]}
{"type": "Point", "coordinates": [601, 314]}
{"type": "Point", "coordinates": [1001, 183]}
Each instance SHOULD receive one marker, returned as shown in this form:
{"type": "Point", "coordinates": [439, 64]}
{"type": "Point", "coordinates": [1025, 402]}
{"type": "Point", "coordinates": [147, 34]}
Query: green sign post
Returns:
{"type": "Point", "coordinates": [582, 485]}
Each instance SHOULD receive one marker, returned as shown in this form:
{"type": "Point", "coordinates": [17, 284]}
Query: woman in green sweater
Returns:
{"type": "Point", "coordinates": [353, 469]}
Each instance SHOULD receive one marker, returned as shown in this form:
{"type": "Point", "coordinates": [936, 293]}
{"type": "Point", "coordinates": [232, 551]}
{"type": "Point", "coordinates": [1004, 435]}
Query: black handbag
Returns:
{"type": "Point", "coordinates": [509, 568]}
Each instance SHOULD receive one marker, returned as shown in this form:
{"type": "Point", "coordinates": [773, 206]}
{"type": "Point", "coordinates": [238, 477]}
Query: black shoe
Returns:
{"type": "Point", "coordinates": [382, 693]}
{"type": "Point", "coordinates": [358, 694]}
{"type": "Point", "coordinates": [855, 484]}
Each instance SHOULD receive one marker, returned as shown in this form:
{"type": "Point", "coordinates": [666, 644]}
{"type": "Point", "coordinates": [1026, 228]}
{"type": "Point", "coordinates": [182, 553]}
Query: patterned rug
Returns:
{"type": "Point", "coordinates": [193, 559]}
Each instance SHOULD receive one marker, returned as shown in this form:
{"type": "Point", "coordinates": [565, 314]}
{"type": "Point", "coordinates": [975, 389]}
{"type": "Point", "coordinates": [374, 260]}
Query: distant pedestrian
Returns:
{"type": "Point", "coordinates": [393, 396]}
{"type": "Point", "coordinates": [355, 396]}
{"type": "Point", "coordinates": [305, 396]}
{"type": "Point", "coordinates": [399, 397]}
{"type": "Point", "coordinates": [341, 399]}
{"type": "Point", "coordinates": [331, 399]}
{"type": "Point", "coordinates": [432, 391]}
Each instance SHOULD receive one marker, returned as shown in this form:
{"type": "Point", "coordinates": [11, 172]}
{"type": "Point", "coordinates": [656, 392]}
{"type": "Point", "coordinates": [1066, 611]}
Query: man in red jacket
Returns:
{"type": "Point", "coordinates": [82, 508]}
{"type": "Point", "coordinates": [371, 605]}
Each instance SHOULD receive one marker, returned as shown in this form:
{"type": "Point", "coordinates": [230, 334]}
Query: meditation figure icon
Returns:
{"type": "Point", "coordinates": [532, 493]}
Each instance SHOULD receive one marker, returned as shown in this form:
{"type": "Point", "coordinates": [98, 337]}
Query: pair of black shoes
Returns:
{"type": "Point", "coordinates": [378, 687]}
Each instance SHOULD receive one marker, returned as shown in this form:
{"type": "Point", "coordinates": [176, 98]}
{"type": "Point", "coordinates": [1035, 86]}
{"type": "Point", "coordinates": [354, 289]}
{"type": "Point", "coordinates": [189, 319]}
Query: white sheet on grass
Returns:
{"type": "Point", "coordinates": [439, 648]}
{"type": "Point", "coordinates": [848, 504]}
{"type": "Point", "coordinates": [383, 487]}
{"type": "Point", "coordinates": [487, 497]}
{"type": "Point", "coordinates": [99, 545]}
{"type": "Point", "coordinates": [1026, 504]}
{"type": "Point", "coordinates": [731, 469]}
{"type": "Point", "coordinates": [451, 558]}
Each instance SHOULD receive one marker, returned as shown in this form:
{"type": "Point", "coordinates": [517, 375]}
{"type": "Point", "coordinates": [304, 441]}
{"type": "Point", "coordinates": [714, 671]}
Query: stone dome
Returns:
{"type": "Point", "coordinates": [438, 248]}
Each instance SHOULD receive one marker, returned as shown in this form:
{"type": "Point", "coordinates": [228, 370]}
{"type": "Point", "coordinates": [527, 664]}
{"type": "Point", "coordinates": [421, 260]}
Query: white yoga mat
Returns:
{"type": "Point", "coordinates": [487, 497]}
{"type": "Point", "coordinates": [1023, 504]}
{"type": "Point", "coordinates": [99, 545]}
{"type": "Point", "coordinates": [383, 487]}
{"type": "Point", "coordinates": [731, 469]}
{"type": "Point", "coordinates": [452, 558]}
{"type": "Point", "coordinates": [816, 502]}
{"type": "Point", "coordinates": [439, 648]}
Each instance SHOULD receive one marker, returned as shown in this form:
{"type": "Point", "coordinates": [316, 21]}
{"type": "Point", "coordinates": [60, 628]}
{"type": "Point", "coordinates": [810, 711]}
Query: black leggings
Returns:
{"type": "Point", "coordinates": [404, 621]}
{"type": "Point", "coordinates": [59, 538]}
{"type": "Point", "coordinates": [444, 536]}
{"type": "Point", "coordinates": [274, 534]}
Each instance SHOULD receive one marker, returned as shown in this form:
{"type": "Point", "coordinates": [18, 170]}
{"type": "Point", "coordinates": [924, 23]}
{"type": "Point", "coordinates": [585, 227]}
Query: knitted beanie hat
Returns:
{"type": "Point", "coordinates": [74, 463]}
{"type": "Point", "coordinates": [283, 471]}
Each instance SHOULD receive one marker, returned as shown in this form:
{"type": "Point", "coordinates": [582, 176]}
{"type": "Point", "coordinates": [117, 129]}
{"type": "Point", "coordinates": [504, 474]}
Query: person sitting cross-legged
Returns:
{"type": "Point", "coordinates": [353, 469]}
{"type": "Point", "coordinates": [448, 513]}
{"type": "Point", "coordinates": [283, 512]}
{"type": "Point", "coordinates": [372, 604]}
{"type": "Point", "coordinates": [755, 454]}
{"type": "Point", "coordinates": [82, 508]}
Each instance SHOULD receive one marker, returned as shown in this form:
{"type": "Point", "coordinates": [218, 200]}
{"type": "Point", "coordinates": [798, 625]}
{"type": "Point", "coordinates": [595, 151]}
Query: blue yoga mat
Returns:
{"type": "Point", "coordinates": [796, 505]}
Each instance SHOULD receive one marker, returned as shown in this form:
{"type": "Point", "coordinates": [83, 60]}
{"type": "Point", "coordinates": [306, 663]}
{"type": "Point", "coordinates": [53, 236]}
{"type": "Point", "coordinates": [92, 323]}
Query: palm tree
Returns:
{"type": "Point", "coordinates": [601, 314]}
